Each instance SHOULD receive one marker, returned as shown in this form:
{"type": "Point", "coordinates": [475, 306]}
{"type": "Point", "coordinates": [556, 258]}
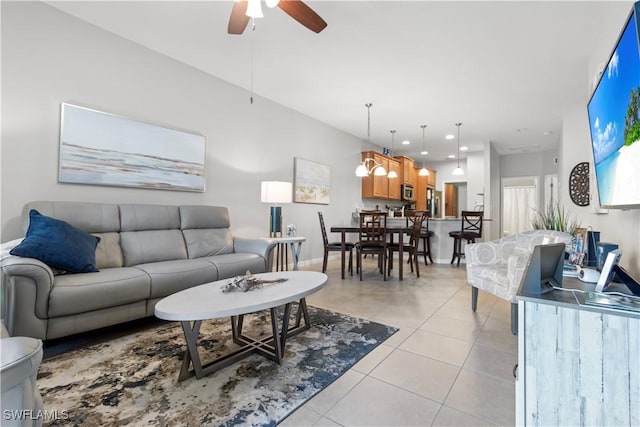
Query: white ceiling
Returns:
{"type": "Point", "coordinates": [506, 70]}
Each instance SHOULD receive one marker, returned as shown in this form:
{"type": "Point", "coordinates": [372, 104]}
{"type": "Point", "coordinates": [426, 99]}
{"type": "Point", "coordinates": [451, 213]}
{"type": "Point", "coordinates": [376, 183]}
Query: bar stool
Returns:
{"type": "Point", "coordinates": [470, 230]}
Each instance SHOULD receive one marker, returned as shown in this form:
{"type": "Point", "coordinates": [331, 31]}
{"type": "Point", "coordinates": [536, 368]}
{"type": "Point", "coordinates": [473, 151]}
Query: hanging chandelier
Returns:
{"type": "Point", "coordinates": [369, 165]}
{"type": "Point", "coordinates": [424, 171]}
{"type": "Point", "coordinates": [458, 170]}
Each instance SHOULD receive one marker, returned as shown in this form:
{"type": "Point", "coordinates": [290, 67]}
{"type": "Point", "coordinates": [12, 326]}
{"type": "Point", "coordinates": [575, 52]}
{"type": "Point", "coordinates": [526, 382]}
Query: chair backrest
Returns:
{"type": "Point", "coordinates": [416, 220]}
{"type": "Point", "coordinates": [472, 222]}
{"type": "Point", "coordinates": [373, 227]}
{"type": "Point", "coordinates": [325, 239]}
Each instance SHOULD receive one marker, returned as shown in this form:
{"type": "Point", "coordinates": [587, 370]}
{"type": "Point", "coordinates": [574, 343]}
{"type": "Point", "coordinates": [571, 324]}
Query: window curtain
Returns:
{"type": "Point", "coordinates": [518, 208]}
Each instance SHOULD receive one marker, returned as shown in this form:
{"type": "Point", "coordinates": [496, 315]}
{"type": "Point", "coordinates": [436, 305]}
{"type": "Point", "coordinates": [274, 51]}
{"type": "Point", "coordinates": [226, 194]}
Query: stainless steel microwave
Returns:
{"type": "Point", "coordinates": [407, 192]}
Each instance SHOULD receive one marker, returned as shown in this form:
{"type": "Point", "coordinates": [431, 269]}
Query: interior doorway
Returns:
{"type": "Point", "coordinates": [519, 202]}
{"type": "Point", "coordinates": [455, 199]}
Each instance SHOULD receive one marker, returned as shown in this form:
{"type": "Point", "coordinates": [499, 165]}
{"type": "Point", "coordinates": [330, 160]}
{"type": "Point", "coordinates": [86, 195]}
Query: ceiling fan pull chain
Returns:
{"type": "Point", "coordinates": [253, 44]}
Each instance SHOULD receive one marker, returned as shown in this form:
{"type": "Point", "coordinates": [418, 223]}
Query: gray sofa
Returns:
{"type": "Point", "coordinates": [145, 253]}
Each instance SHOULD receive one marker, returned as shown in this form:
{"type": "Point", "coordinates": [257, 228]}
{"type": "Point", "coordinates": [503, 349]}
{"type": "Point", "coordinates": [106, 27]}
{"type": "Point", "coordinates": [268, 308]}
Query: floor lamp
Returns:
{"type": "Point", "coordinates": [275, 192]}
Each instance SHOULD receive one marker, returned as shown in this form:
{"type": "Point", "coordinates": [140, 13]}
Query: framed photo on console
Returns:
{"type": "Point", "coordinates": [576, 256]}
{"type": "Point", "coordinates": [106, 149]}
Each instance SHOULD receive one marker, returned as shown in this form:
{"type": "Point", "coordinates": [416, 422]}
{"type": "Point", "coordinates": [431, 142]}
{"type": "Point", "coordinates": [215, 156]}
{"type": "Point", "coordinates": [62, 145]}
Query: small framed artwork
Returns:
{"type": "Point", "coordinates": [576, 257]}
{"type": "Point", "coordinates": [100, 148]}
{"type": "Point", "coordinates": [311, 182]}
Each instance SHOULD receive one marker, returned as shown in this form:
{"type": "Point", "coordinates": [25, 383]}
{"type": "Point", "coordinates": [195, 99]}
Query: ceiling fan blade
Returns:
{"type": "Point", "coordinates": [238, 20]}
{"type": "Point", "coordinates": [303, 14]}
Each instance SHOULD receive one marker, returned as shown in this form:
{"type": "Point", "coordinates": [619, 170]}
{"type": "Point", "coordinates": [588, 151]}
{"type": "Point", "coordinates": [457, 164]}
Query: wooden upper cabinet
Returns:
{"type": "Point", "coordinates": [431, 179]}
{"type": "Point", "coordinates": [394, 183]}
{"type": "Point", "coordinates": [408, 174]}
{"type": "Point", "coordinates": [375, 187]}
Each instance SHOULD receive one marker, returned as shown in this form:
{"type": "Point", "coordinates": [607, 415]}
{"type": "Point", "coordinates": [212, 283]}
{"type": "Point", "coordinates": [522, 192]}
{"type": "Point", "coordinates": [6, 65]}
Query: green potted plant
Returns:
{"type": "Point", "coordinates": [554, 217]}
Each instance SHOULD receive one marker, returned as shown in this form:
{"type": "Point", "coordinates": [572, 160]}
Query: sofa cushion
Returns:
{"type": "Point", "coordinates": [149, 217]}
{"type": "Point", "coordinates": [169, 277]}
{"type": "Point", "coordinates": [208, 242]}
{"type": "Point", "coordinates": [58, 244]}
{"type": "Point", "coordinates": [89, 217]}
{"type": "Point", "coordinates": [108, 251]}
{"type": "Point", "coordinates": [141, 247]}
{"type": "Point", "coordinates": [111, 287]}
{"type": "Point", "coordinates": [204, 217]}
{"type": "Point", "coordinates": [237, 264]}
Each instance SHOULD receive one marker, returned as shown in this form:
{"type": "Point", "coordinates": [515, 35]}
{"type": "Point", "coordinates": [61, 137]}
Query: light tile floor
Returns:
{"type": "Point", "coordinates": [446, 366]}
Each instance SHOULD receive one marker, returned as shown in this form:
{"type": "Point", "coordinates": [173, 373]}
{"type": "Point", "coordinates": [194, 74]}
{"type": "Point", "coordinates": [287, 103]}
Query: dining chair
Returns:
{"type": "Point", "coordinates": [425, 234]}
{"type": "Point", "coordinates": [333, 246]}
{"type": "Point", "coordinates": [415, 219]}
{"type": "Point", "coordinates": [470, 230]}
{"type": "Point", "coordinates": [372, 239]}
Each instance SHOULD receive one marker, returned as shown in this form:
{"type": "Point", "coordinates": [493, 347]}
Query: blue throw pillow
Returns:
{"type": "Point", "coordinates": [58, 244]}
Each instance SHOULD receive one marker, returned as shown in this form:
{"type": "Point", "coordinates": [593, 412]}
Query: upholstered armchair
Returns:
{"type": "Point", "coordinates": [20, 360]}
{"type": "Point", "coordinates": [497, 267]}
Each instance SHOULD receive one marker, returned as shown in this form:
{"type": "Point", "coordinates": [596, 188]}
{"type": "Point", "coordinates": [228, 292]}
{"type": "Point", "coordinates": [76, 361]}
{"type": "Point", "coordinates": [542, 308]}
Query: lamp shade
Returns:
{"type": "Point", "coordinates": [275, 192]}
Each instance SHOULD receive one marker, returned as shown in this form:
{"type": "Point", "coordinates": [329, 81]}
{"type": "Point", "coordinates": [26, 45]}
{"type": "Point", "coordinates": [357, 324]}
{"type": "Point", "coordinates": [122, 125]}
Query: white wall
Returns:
{"type": "Point", "coordinates": [49, 57]}
{"type": "Point", "coordinates": [618, 226]}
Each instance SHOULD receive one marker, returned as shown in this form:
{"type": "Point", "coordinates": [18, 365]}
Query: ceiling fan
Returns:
{"type": "Point", "coordinates": [245, 9]}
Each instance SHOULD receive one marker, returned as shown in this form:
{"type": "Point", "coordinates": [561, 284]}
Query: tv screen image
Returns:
{"type": "Point", "coordinates": [614, 117]}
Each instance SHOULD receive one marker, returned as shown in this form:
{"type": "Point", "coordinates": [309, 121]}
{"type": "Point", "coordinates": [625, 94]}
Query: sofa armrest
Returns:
{"type": "Point", "coordinates": [19, 272]}
{"type": "Point", "coordinates": [260, 247]}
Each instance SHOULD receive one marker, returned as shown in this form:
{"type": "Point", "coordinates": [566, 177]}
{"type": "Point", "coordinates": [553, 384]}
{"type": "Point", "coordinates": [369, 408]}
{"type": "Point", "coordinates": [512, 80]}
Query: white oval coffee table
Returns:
{"type": "Point", "coordinates": [191, 306]}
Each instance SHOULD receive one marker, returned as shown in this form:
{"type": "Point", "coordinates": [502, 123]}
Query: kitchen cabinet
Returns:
{"type": "Point", "coordinates": [408, 175]}
{"type": "Point", "coordinates": [431, 179]}
{"type": "Point", "coordinates": [394, 183]}
{"type": "Point", "coordinates": [373, 186]}
{"type": "Point", "coordinates": [420, 191]}
{"type": "Point", "coordinates": [421, 186]}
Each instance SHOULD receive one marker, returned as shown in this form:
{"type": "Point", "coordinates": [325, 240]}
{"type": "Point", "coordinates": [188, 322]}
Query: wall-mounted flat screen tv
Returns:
{"type": "Point", "coordinates": [614, 121]}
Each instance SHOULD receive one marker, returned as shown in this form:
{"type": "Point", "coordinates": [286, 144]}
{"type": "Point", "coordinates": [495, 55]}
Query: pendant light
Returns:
{"type": "Point", "coordinates": [369, 165]}
{"type": "Point", "coordinates": [424, 171]}
{"type": "Point", "coordinates": [392, 174]}
{"type": "Point", "coordinates": [458, 170]}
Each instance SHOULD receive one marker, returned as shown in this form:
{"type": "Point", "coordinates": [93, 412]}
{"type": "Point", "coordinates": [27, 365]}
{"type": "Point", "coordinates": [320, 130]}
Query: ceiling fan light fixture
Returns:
{"type": "Point", "coordinates": [254, 9]}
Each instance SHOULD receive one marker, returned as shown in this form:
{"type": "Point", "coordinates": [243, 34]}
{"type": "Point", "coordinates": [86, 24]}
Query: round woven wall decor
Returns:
{"type": "Point", "coordinates": [579, 184]}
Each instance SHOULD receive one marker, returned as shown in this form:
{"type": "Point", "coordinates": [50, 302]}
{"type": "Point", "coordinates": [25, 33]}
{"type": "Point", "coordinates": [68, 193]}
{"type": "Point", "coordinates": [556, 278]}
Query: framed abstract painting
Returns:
{"type": "Point", "coordinates": [100, 148]}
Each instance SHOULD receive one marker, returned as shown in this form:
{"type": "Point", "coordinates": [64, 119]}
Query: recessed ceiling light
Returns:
{"type": "Point", "coordinates": [424, 153]}
{"type": "Point", "coordinates": [547, 133]}
{"type": "Point", "coordinates": [406, 142]}
{"type": "Point", "coordinates": [451, 156]}
{"type": "Point", "coordinates": [464, 148]}
{"type": "Point", "coordinates": [450, 136]}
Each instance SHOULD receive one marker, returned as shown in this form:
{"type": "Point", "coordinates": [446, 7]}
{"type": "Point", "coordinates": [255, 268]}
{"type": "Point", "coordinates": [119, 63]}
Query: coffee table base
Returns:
{"type": "Point", "coordinates": [271, 347]}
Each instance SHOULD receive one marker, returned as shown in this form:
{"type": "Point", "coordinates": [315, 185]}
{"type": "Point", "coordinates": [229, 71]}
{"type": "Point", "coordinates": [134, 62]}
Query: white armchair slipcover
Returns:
{"type": "Point", "coordinates": [497, 267]}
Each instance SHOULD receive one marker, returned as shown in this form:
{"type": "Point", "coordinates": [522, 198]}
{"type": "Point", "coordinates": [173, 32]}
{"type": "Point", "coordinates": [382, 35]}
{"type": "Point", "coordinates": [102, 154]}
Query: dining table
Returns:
{"type": "Point", "coordinates": [400, 230]}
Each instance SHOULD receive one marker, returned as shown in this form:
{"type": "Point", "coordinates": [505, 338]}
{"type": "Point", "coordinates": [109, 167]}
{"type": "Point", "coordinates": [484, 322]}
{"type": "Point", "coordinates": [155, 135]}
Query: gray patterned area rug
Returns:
{"type": "Point", "coordinates": [132, 380]}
